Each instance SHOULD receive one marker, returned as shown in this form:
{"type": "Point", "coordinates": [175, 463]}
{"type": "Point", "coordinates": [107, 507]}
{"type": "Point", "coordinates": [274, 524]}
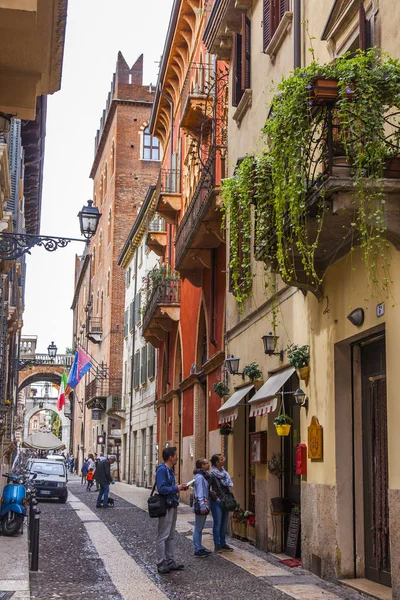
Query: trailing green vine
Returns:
{"type": "Point", "coordinates": [292, 168]}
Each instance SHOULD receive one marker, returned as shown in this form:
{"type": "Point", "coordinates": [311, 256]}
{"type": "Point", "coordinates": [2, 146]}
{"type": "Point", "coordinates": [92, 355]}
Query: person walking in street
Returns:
{"type": "Point", "coordinates": [89, 479]}
{"type": "Point", "coordinates": [71, 463]}
{"type": "Point", "coordinates": [166, 486]}
{"type": "Point", "coordinates": [201, 506]}
{"type": "Point", "coordinates": [90, 462]}
{"type": "Point", "coordinates": [220, 483]}
{"type": "Point", "coordinates": [84, 472]}
{"type": "Point", "coordinates": [76, 466]}
{"type": "Point", "coordinates": [103, 477]}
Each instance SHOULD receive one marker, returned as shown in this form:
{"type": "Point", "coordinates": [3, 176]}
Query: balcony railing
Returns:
{"type": "Point", "coordinates": [157, 225]}
{"type": "Point", "coordinates": [98, 390]}
{"type": "Point", "coordinates": [196, 210]}
{"type": "Point", "coordinates": [114, 404]}
{"type": "Point", "coordinates": [170, 181]}
{"type": "Point", "coordinates": [64, 360]}
{"type": "Point", "coordinates": [167, 293]}
{"type": "Point", "coordinates": [95, 325]}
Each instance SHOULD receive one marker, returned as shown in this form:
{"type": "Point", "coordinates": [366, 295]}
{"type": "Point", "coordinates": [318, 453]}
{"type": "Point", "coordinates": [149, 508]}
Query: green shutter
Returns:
{"type": "Point", "coordinates": [138, 315]}
{"type": "Point", "coordinates": [151, 361]}
{"type": "Point", "coordinates": [131, 311]}
{"type": "Point", "coordinates": [136, 370]}
{"type": "Point", "coordinates": [143, 369]}
{"type": "Point", "coordinates": [126, 323]}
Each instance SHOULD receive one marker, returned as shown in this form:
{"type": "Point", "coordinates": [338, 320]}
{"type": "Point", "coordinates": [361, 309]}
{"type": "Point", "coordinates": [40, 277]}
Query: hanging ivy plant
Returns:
{"type": "Point", "coordinates": [292, 167]}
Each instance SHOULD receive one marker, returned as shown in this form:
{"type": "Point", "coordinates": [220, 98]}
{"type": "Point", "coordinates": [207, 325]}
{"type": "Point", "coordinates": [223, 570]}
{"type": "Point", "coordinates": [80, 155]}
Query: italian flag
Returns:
{"type": "Point", "coordinates": [61, 396]}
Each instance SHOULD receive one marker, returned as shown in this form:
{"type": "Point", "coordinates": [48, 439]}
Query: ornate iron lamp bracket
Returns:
{"type": "Point", "coordinates": [15, 245]}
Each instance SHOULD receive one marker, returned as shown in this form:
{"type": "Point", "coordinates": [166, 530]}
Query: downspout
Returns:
{"type": "Point", "coordinates": [132, 378]}
{"type": "Point", "coordinates": [297, 33]}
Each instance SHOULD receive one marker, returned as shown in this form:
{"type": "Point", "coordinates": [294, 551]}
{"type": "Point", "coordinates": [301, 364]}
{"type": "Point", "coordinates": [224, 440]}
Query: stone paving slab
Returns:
{"type": "Point", "coordinates": [308, 592]}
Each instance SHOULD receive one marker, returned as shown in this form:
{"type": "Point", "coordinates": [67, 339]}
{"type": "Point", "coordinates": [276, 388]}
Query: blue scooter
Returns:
{"type": "Point", "coordinates": [13, 505]}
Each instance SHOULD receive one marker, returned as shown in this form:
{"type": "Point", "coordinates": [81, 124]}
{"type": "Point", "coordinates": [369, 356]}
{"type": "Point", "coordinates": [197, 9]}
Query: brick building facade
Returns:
{"type": "Point", "coordinates": [121, 177]}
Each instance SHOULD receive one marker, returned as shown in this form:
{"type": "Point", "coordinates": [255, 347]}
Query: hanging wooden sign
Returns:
{"type": "Point", "coordinates": [315, 442]}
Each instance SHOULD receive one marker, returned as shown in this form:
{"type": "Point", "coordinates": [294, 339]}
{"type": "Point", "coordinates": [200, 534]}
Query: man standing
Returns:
{"type": "Point", "coordinates": [103, 476]}
{"type": "Point", "coordinates": [166, 486]}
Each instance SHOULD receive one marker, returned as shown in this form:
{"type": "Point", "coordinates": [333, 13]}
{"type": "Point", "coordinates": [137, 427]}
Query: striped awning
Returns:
{"type": "Point", "coordinates": [265, 400]}
{"type": "Point", "coordinates": [230, 410]}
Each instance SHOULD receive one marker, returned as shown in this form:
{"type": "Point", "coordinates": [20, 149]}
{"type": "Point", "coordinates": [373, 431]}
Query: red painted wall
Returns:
{"type": "Point", "coordinates": [187, 417]}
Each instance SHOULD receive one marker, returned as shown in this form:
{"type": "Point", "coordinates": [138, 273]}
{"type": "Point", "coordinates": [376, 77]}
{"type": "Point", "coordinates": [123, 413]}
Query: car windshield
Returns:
{"type": "Point", "coordinates": [47, 469]}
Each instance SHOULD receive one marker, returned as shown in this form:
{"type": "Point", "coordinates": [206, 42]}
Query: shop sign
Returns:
{"type": "Point", "coordinates": [315, 447]}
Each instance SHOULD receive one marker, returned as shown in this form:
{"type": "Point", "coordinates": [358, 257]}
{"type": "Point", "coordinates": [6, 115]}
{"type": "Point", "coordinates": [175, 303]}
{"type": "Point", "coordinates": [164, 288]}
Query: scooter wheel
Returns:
{"type": "Point", "coordinates": [12, 526]}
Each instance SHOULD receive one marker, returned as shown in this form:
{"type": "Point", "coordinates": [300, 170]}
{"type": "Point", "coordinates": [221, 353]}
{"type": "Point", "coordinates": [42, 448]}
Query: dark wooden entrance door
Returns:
{"type": "Point", "coordinates": [375, 462]}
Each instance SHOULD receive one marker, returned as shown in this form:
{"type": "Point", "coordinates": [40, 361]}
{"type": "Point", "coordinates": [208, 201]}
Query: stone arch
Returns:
{"type": "Point", "coordinates": [37, 373]}
{"type": "Point", "coordinates": [64, 421]}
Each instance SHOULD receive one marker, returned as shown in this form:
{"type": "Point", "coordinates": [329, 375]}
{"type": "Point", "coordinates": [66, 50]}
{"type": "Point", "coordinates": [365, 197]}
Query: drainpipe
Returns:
{"type": "Point", "coordinates": [132, 377]}
{"type": "Point", "coordinates": [297, 32]}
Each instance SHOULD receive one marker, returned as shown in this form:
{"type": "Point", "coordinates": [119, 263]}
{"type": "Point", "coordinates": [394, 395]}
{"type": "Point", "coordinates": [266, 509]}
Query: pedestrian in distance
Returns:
{"type": "Point", "coordinates": [71, 464]}
{"type": "Point", "coordinates": [89, 479]}
{"type": "Point", "coordinates": [103, 476]}
{"type": "Point", "coordinates": [84, 472]}
{"type": "Point", "coordinates": [220, 483]}
{"type": "Point", "coordinates": [90, 462]}
{"type": "Point", "coordinates": [76, 466]}
{"type": "Point", "coordinates": [166, 486]}
{"type": "Point", "coordinates": [201, 505]}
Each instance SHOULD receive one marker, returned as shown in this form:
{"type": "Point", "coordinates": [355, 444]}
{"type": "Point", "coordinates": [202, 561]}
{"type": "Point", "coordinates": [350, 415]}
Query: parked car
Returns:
{"type": "Point", "coordinates": [51, 478]}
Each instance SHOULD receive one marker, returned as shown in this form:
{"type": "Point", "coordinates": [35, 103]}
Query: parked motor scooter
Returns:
{"type": "Point", "coordinates": [13, 505]}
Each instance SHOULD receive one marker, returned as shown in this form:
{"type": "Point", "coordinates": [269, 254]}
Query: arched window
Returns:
{"type": "Point", "coordinates": [151, 146]}
{"type": "Point", "coordinates": [113, 157]}
{"type": "Point", "coordinates": [201, 354]}
{"type": "Point", "coordinates": [102, 304]}
{"type": "Point", "coordinates": [99, 256]}
{"type": "Point", "coordinates": [108, 282]}
{"type": "Point", "coordinates": [105, 180]}
{"type": "Point", "coordinates": [109, 226]}
{"type": "Point", "coordinates": [97, 303]}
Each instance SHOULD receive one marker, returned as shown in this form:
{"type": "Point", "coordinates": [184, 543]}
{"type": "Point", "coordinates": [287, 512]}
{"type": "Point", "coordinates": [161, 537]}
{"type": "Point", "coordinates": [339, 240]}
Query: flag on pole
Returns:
{"type": "Point", "coordinates": [80, 367]}
{"type": "Point", "coordinates": [61, 397]}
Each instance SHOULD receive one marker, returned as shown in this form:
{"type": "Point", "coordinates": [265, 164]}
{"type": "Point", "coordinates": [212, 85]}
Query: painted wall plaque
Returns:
{"type": "Point", "coordinates": [315, 447]}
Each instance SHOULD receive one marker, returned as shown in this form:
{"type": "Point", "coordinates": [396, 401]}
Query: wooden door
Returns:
{"type": "Point", "coordinates": [375, 462]}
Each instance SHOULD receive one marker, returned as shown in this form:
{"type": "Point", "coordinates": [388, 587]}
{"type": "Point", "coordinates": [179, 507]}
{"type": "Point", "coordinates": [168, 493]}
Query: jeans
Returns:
{"type": "Point", "coordinates": [166, 537]}
{"type": "Point", "coordinates": [104, 489]}
{"type": "Point", "coordinates": [200, 521]}
{"type": "Point", "coordinates": [220, 518]}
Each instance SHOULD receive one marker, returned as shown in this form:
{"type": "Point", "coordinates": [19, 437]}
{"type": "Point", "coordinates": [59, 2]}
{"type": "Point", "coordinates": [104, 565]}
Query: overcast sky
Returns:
{"type": "Point", "coordinates": [96, 31]}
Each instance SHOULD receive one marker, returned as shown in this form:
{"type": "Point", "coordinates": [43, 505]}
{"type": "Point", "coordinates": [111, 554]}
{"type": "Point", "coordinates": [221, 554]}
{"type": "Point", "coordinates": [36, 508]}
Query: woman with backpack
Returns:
{"type": "Point", "coordinates": [201, 505]}
{"type": "Point", "coordinates": [220, 483]}
{"type": "Point", "coordinates": [84, 472]}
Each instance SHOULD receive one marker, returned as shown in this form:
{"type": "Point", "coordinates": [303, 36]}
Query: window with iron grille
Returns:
{"type": "Point", "coordinates": [151, 146]}
{"type": "Point", "coordinates": [273, 11]}
{"type": "Point", "coordinates": [136, 368]}
{"type": "Point", "coordinates": [151, 361]}
{"type": "Point", "coordinates": [143, 365]}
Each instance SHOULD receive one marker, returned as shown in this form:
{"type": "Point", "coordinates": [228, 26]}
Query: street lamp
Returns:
{"type": "Point", "coordinates": [15, 245]}
{"type": "Point", "coordinates": [300, 398]}
{"type": "Point", "coordinates": [232, 364]}
{"type": "Point", "coordinates": [52, 351]}
{"type": "Point", "coordinates": [270, 342]}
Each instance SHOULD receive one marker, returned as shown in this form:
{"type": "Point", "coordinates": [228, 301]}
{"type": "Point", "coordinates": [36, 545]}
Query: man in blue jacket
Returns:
{"type": "Point", "coordinates": [166, 486]}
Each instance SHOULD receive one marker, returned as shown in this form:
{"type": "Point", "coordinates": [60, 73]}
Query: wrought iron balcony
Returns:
{"type": "Point", "coordinates": [200, 228]}
{"type": "Point", "coordinates": [95, 329]}
{"type": "Point", "coordinates": [157, 236]}
{"type": "Point", "coordinates": [197, 101]}
{"type": "Point", "coordinates": [169, 201]}
{"type": "Point", "coordinates": [162, 311]}
{"type": "Point", "coordinates": [114, 404]}
{"type": "Point", "coordinates": [99, 390]}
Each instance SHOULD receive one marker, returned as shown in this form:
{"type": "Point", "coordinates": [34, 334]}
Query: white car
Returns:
{"type": "Point", "coordinates": [51, 478]}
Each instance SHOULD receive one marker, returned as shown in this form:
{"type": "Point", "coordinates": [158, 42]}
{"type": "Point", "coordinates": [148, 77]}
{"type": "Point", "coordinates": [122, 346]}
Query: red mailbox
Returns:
{"type": "Point", "coordinates": [301, 459]}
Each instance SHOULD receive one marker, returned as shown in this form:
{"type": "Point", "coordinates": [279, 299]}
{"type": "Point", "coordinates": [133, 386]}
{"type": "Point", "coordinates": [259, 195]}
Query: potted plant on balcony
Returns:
{"type": "Point", "coordinates": [239, 523]}
{"type": "Point", "coordinates": [225, 429]}
{"type": "Point", "coordinates": [299, 357]}
{"type": "Point", "coordinates": [283, 424]}
{"type": "Point", "coordinates": [220, 388]}
{"type": "Point", "coordinates": [252, 371]}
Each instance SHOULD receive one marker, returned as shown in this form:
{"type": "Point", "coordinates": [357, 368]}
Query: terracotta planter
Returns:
{"type": "Point", "coordinates": [282, 430]}
{"type": "Point", "coordinates": [239, 529]}
{"type": "Point", "coordinates": [251, 534]}
{"type": "Point", "coordinates": [325, 90]}
{"type": "Point", "coordinates": [303, 373]}
{"type": "Point", "coordinates": [341, 167]}
{"type": "Point", "coordinates": [392, 168]}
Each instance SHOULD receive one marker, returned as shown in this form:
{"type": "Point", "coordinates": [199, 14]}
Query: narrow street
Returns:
{"type": "Point", "coordinates": [110, 555]}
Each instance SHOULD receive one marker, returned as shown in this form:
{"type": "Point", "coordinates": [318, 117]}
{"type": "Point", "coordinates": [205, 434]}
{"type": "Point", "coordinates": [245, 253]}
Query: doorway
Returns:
{"type": "Point", "coordinates": [375, 462]}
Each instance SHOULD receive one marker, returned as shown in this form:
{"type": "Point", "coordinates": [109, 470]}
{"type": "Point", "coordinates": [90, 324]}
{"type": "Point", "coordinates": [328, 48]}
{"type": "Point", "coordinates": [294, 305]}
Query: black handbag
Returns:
{"type": "Point", "coordinates": [157, 505]}
{"type": "Point", "coordinates": [227, 500]}
{"type": "Point", "coordinates": [197, 509]}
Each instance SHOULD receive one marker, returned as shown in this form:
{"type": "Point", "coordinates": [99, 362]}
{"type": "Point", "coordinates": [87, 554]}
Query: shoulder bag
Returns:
{"type": "Point", "coordinates": [157, 505]}
{"type": "Point", "coordinates": [228, 500]}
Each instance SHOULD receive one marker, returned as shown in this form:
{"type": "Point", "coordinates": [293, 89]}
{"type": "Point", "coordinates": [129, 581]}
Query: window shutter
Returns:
{"type": "Point", "coordinates": [237, 69]}
{"type": "Point", "coordinates": [151, 353]}
{"type": "Point", "coordinates": [283, 7]}
{"type": "Point", "coordinates": [136, 370]}
{"type": "Point", "coordinates": [137, 307]}
{"type": "Point", "coordinates": [246, 53]}
{"type": "Point", "coordinates": [131, 312]}
{"type": "Point", "coordinates": [126, 317]}
{"type": "Point", "coordinates": [143, 371]}
{"type": "Point", "coordinates": [365, 29]}
{"type": "Point", "coordinates": [267, 23]}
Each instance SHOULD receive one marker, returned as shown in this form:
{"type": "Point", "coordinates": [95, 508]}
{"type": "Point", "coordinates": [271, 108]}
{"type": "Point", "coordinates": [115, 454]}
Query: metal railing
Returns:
{"type": "Point", "coordinates": [114, 403]}
{"type": "Point", "coordinates": [197, 83]}
{"type": "Point", "coordinates": [95, 325]}
{"type": "Point", "coordinates": [170, 181]}
{"type": "Point", "coordinates": [64, 360]}
{"type": "Point", "coordinates": [168, 292]}
{"type": "Point", "coordinates": [157, 225]}
{"type": "Point", "coordinates": [196, 210]}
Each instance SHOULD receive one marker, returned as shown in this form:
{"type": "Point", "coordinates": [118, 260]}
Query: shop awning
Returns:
{"type": "Point", "coordinates": [230, 410]}
{"type": "Point", "coordinates": [265, 401]}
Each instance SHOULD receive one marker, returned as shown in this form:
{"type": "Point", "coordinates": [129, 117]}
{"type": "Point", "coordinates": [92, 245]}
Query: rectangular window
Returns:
{"type": "Point", "coordinates": [143, 362]}
{"type": "Point", "coordinates": [273, 11]}
{"type": "Point", "coordinates": [128, 277]}
{"type": "Point", "coordinates": [151, 361]}
{"type": "Point", "coordinates": [126, 323]}
{"type": "Point", "coordinates": [151, 146]}
{"type": "Point", "coordinates": [131, 316]}
{"type": "Point", "coordinates": [140, 257]}
{"type": "Point", "coordinates": [241, 61]}
{"type": "Point", "coordinates": [138, 314]}
{"type": "Point", "coordinates": [136, 368]}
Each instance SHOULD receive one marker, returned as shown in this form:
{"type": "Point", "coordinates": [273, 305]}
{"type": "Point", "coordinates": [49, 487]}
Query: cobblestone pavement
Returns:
{"type": "Point", "coordinates": [69, 566]}
{"type": "Point", "coordinates": [246, 573]}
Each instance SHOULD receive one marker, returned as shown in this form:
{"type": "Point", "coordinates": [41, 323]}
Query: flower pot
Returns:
{"type": "Point", "coordinates": [282, 430]}
{"type": "Point", "coordinates": [239, 529]}
{"type": "Point", "coordinates": [251, 534]}
{"type": "Point", "coordinates": [392, 168]}
{"type": "Point", "coordinates": [341, 167]}
{"type": "Point", "coordinates": [325, 90]}
{"type": "Point", "coordinates": [303, 373]}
